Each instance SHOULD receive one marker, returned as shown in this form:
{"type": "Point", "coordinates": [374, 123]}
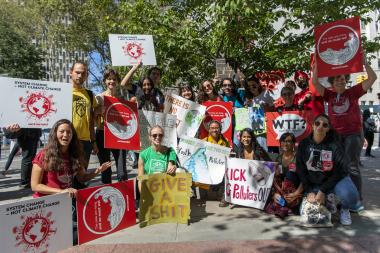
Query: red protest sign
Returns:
{"type": "Point", "coordinates": [105, 209]}
{"type": "Point", "coordinates": [121, 124]}
{"type": "Point", "coordinates": [339, 48]}
{"type": "Point", "coordinates": [297, 122]}
{"type": "Point", "coordinates": [222, 112]}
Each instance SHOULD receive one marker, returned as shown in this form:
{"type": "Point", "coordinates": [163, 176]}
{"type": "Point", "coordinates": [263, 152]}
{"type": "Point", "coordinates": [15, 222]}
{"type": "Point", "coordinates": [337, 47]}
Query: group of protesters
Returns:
{"type": "Point", "coordinates": [324, 164]}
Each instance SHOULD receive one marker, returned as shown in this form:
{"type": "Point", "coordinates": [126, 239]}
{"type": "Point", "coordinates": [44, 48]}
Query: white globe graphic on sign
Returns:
{"type": "Point", "coordinates": [121, 131]}
{"type": "Point", "coordinates": [344, 54]}
{"type": "Point", "coordinates": [110, 197]}
{"type": "Point", "coordinates": [38, 105]}
{"type": "Point", "coordinates": [36, 230]}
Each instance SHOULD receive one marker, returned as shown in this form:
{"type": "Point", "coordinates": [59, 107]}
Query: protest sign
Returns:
{"type": "Point", "coordinates": [128, 50]}
{"type": "Point", "coordinates": [248, 182]}
{"type": "Point", "coordinates": [189, 114]}
{"type": "Point", "coordinates": [149, 119]}
{"type": "Point", "coordinates": [257, 117]}
{"type": "Point", "coordinates": [105, 209]}
{"type": "Point", "coordinates": [121, 124]}
{"type": "Point", "coordinates": [205, 161]}
{"type": "Point", "coordinates": [297, 122]}
{"type": "Point", "coordinates": [339, 48]}
{"type": "Point", "coordinates": [165, 198]}
{"type": "Point", "coordinates": [242, 119]}
{"type": "Point", "coordinates": [219, 111]}
{"type": "Point", "coordinates": [34, 103]}
{"type": "Point", "coordinates": [37, 225]}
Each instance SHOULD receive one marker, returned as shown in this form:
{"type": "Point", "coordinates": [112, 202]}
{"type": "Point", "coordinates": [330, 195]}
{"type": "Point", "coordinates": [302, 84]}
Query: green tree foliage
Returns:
{"type": "Point", "coordinates": [190, 35]}
{"type": "Point", "coordinates": [18, 56]}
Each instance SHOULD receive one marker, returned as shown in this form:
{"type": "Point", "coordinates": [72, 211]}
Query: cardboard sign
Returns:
{"type": "Point", "coordinates": [121, 124]}
{"type": "Point", "coordinates": [34, 103]}
{"type": "Point", "coordinates": [297, 122]}
{"type": "Point", "coordinates": [205, 161]}
{"type": "Point", "coordinates": [189, 114]}
{"type": "Point", "coordinates": [149, 119]}
{"type": "Point", "coordinates": [222, 112]}
{"type": "Point", "coordinates": [128, 50]}
{"type": "Point", "coordinates": [105, 209]}
{"type": "Point", "coordinates": [165, 198]}
{"type": "Point", "coordinates": [257, 117]}
{"type": "Point", "coordinates": [37, 225]}
{"type": "Point", "coordinates": [242, 119]}
{"type": "Point", "coordinates": [339, 48]}
{"type": "Point", "coordinates": [248, 182]}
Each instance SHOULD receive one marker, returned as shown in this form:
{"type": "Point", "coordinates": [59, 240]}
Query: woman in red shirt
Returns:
{"type": "Point", "coordinates": [55, 166]}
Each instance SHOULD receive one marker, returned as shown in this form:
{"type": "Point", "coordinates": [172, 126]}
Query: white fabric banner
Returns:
{"type": "Point", "coordinates": [34, 103]}
{"type": "Point", "coordinates": [128, 50]}
{"type": "Point", "coordinates": [205, 161]}
{"type": "Point", "coordinates": [248, 182]}
{"type": "Point", "coordinates": [189, 114]}
{"type": "Point", "coordinates": [149, 119]}
{"type": "Point", "coordinates": [37, 225]}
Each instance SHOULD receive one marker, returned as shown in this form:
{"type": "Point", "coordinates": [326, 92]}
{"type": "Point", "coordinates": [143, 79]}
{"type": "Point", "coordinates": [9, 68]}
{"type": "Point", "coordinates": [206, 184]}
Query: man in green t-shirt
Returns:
{"type": "Point", "coordinates": [157, 158]}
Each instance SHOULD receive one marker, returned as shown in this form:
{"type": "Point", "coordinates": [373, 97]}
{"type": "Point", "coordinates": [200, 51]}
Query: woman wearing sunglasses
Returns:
{"type": "Point", "coordinates": [287, 189]}
{"type": "Point", "coordinates": [230, 93]}
{"type": "Point", "coordinates": [157, 158]}
{"type": "Point", "coordinates": [323, 169]}
{"type": "Point", "coordinates": [287, 95]}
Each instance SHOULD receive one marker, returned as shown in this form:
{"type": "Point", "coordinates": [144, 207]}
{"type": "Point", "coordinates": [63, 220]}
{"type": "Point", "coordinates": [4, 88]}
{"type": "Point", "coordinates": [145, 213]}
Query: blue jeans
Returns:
{"type": "Point", "coordinates": [352, 147]}
{"type": "Point", "coordinates": [345, 191]}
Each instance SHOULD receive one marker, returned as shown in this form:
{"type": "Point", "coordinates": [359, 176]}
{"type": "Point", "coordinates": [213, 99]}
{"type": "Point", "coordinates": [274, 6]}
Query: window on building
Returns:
{"type": "Point", "coordinates": [362, 102]}
{"type": "Point", "coordinates": [370, 90]}
{"type": "Point", "coordinates": [370, 102]}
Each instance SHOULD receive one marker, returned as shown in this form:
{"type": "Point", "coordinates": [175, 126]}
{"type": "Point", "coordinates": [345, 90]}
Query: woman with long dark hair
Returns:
{"type": "Point", "coordinates": [323, 169]}
{"type": "Point", "coordinates": [148, 97]}
{"type": "Point", "coordinates": [54, 167]}
{"type": "Point", "coordinates": [230, 93]}
{"type": "Point", "coordinates": [249, 148]}
{"type": "Point", "coordinates": [207, 92]}
{"type": "Point", "coordinates": [186, 91]}
{"type": "Point", "coordinates": [287, 189]}
{"type": "Point", "coordinates": [369, 129]}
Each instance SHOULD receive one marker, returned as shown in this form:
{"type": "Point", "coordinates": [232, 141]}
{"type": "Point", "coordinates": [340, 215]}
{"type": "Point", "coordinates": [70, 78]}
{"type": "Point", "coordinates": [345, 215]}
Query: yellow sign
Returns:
{"type": "Point", "coordinates": [165, 198]}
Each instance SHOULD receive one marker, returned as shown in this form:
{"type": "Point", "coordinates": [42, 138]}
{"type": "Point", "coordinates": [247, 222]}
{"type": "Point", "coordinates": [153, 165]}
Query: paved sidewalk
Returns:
{"type": "Point", "coordinates": [213, 229]}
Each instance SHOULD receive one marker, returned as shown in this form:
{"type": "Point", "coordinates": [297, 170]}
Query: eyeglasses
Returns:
{"type": "Point", "coordinates": [324, 124]}
{"type": "Point", "coordinates": [157, 135]}
{"type": "Point", "coordinates": [228, 85]}
{"type": "Point", "coordinates": [286, 94]}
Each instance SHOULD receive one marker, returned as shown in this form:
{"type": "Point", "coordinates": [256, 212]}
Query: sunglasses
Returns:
{"type": "Point", "coordinates": [157, 135]}
{"type": "Point", "coordinates": [286, 94]}
{"type": "Point", "coordinates": [324, 124]}
{"type": "Point", "coordinates": [227, 85]}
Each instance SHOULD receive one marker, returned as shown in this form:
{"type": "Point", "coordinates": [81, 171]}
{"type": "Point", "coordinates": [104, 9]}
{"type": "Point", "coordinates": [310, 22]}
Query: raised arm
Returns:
{"type": "Point", "coordinates": [371, 76]}
{"type": "Point", "coordinates": [318, 87]}
{"type": "Point", "coordinates": [128, 76]}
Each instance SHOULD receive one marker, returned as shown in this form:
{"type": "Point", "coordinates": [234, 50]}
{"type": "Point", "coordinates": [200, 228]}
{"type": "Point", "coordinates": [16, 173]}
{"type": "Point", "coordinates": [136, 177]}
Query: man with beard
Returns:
{"type": "Point", "coordinates": [307, 98]}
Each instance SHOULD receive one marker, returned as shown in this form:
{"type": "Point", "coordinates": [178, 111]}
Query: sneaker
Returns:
{"type": "Point", "coordinates": [358, 208]}
{"type": "Point", "coordinates": [345, 217]}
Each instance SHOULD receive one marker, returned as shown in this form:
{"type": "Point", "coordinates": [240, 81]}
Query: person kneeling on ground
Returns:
{"type": "Point", "coordinates": [323, 169]}
{"type": "Point", "coordinates": [62, 159]}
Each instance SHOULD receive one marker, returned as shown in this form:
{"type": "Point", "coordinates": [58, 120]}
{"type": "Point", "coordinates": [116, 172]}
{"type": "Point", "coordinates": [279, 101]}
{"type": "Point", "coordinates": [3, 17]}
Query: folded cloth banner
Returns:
{"type": "Point", "coordinates": [165, 198]}
{"type": "Point", "coordinates": [189, 114]}
{"type": "Point", "coordinates": [242, 119]}
{"type": "Point", "coordinates": [34, 103]}
{"type": "Point", "coordinates": [339, 48]}
{"type": "Point", "coordinates": [257, 117]}
{"type": "Point", "coordinates": [37, 225]}
{"type": "Point", "coordinates": [149, 119]}
{"type": "Point", "coordinates": [128, 50]}
{"type": "Point", "coordinates": [222, 112]}
{"type": "Point", "coordinates": [121, 124]}
{"type": "Point", "coordinates": [205, 161]}
{"type": "Point", "coordinates": [105, 209]}
{"type": "Point", "coordinates": [248, 182]}
{"type": "Point", "coordinates": [297, 122]}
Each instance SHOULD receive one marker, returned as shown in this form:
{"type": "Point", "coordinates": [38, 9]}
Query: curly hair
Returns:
{"type": "Point", "coordinates": [53, 156]}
